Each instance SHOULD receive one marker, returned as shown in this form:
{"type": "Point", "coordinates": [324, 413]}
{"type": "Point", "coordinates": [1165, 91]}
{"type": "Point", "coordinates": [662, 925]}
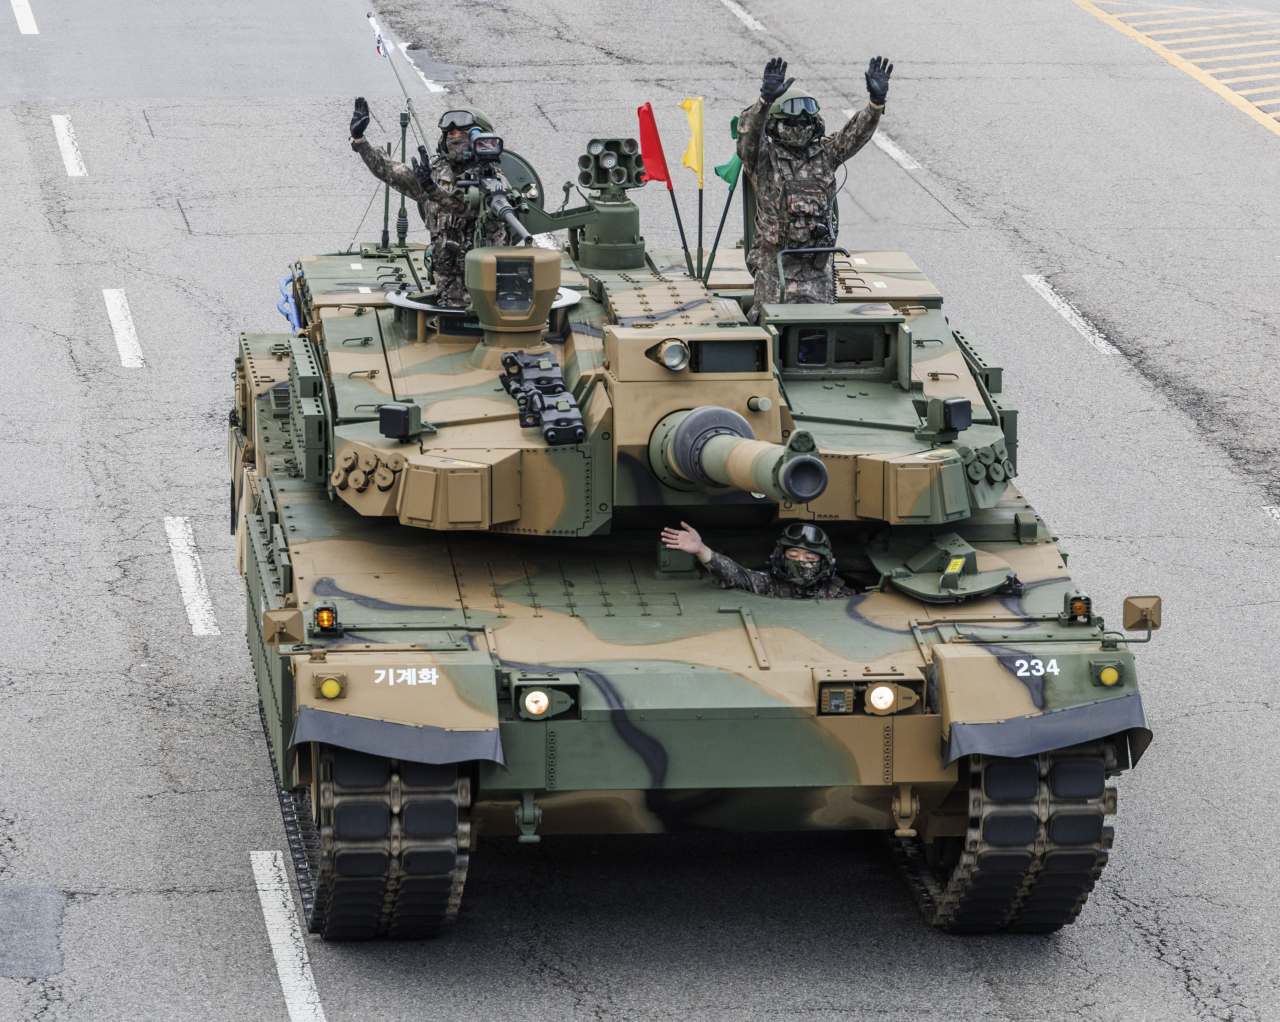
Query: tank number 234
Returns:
{"type": "Point", "coordinates": [1036, 668]}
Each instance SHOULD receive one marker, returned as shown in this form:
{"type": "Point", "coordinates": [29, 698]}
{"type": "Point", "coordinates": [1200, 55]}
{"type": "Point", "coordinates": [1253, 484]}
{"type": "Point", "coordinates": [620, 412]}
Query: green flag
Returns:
{"type": "Point", "coordinates": [729, 171]}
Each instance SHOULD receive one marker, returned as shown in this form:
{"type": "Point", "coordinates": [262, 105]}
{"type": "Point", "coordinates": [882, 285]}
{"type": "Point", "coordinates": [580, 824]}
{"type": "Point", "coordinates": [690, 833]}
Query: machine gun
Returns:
{"type": "Point", "coordinates": [486, 191]}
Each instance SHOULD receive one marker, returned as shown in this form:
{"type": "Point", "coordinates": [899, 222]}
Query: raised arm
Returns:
{"type": "Point", "coordinates": [857, 133]}
{"type": "Point", "coordinates": [751, 122]}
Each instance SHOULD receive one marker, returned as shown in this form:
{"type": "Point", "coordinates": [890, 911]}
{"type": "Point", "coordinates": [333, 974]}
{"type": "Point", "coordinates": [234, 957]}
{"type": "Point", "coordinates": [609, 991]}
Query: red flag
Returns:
{"type": "Point", "coordinates": [655, 160]}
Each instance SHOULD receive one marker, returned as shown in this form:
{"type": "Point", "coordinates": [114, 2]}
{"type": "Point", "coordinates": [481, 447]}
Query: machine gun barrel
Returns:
{"type": "Point", "coordinates": [496, 197]}
{"type": "Point", "coordinates": [714, 446]}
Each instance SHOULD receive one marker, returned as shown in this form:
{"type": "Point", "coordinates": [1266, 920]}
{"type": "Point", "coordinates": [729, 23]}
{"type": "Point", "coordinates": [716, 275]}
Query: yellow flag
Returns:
{"type": "Point", "coordinates": [693, 155]}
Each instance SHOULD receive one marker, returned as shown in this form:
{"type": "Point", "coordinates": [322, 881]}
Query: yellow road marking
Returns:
{"type": "Point", "coordinates": [1123, 17]}
{"type": "Point", "coordinates": [1233, 46]}
{"type": "Point", "coordinates": [1237, 56]}
{"type": "Point", "coordinates": [1254, 92]}
{"type": "Point", "coordinates": [1247, 78]}
{"type": "Point", "coordinates": [1202, 28]}
{"type": "Point", "coordinates": [1211, 38]}
{"type": "Point", "coordinates": [1178, 21]}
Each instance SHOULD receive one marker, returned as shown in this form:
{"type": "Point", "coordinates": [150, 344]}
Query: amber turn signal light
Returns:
{"type": "Point", "coordinates": [326, 619]}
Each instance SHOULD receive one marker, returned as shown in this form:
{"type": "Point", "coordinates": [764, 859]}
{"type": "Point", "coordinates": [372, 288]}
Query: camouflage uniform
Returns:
{"type": "Point", "coordinates": [732, 575]}
{"type": "Point", "coordinates": [794, 193]}
{"type": "Point", "coordinates": [451, 224]}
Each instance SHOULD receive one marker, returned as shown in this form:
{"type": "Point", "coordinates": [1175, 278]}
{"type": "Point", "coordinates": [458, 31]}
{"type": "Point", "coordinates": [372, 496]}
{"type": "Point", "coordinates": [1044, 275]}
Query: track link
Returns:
{"type": "Point", "coordinates": [386, 854]}
{"type": "Point", "coordinates": [1036, 844]}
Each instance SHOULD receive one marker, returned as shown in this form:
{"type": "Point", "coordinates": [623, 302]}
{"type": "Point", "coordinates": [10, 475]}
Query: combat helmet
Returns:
{"type": "Point", "coordinates": [472, 120]}
{"type": "Point", "coordinates": [795, 102]}
{"type": "Point", "coordinates": [807, 537]}
{"type": "Point", "coordinates": [795, 109]}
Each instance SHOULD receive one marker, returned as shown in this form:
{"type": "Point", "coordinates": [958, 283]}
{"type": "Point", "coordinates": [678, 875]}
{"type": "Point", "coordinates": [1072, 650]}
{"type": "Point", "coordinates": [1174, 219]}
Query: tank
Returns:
{"type": "Point", "coordinates": [464, 627]}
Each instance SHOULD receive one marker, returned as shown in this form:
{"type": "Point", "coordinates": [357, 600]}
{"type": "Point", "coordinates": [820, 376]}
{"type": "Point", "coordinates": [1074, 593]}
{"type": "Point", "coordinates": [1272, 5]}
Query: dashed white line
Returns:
{"type": "Point", "coordinates": [1071, 314]}
{"type": "Point", "coordinates": [122, 326]}
{"type": "Point", "coordinates": [431, 86]}
{"type": "Point", "coordinates": [186, 564]}
{"type": "Point", "coordinates": [26, 20]}
{"type": "Point", "coordinates": [740, 13]}
{"type": "Point", "coordinates": [301, 998]}
{"type": "Point", "coordinates": [71, 157]}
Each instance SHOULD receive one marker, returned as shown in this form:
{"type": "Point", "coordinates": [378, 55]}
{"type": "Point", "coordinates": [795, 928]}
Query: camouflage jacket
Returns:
{"type": "Point", "coordinates": [732, 575]}
{"type": "Point", "coordinates": [795, 189]}
{"type": "Point", "coordinates": [444, 211]}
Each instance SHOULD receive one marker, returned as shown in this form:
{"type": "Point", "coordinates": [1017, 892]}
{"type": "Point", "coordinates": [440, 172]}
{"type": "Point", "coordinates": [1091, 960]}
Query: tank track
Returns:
{"type": "Point", "coordinates": [387, 853]}
{"type": "Point", "coordinates": [1035, 846]}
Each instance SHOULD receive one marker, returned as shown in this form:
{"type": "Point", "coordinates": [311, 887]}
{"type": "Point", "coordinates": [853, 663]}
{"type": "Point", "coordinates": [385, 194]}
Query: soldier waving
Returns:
{"type": "Point", "coordinates": [792, 166]}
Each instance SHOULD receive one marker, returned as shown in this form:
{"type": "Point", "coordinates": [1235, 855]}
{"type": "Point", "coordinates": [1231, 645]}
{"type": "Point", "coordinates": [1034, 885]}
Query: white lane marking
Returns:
{"type": "Point", "coordinates": [122, 326]}
{"type": "Point", "coordinates": [895, 152]}
{"type": "Point", "coordinates": [71, 157]}
{"type": "Point", "coordinates": [740, 13]}
{"type": "Point", "coordinates": [292, 965]}
{"type": "Point", "coordinates": [26, 20]}
{"type": "Point", "coordinates": [186, 564]}
{"type": "Point", "coordinates": [1273, 511]}
{"type": "Point", "coordinates": [890, 148]}
{"type": "Point", "coordinates": [431, 86]}
{"type": "Point", "coordinates": [1071, 314]}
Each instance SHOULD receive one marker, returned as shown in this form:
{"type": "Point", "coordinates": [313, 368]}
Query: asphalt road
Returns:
{"type": "Point", "coordinates": [135, 780]}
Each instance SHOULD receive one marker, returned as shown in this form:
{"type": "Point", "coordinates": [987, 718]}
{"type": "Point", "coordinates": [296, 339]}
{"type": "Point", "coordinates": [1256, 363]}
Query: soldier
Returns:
{"type": "Point", "coordinates": [801, 566]}
{"type": "Point", "coordinates": [429, 183]}
{"type": "Point", "coordinates": [792, 168]}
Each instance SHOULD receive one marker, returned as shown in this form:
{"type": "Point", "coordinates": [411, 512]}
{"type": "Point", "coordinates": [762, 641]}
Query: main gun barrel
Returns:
{"type": "Point", "coordinates": [713, 446]}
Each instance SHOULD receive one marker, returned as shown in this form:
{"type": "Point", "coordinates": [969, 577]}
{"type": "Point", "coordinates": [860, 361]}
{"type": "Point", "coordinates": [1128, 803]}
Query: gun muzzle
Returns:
{"type": "Point", "coordinates": [713, 446]}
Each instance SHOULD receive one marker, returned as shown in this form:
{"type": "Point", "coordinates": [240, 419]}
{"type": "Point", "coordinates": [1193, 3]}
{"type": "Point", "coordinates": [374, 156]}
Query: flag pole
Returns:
{"type": "Point", "coordinates": [688, 259]}
{"type": "Point", "coordinates": [716, 244]}
{"type": "Point", "coordinates": [699, 273]}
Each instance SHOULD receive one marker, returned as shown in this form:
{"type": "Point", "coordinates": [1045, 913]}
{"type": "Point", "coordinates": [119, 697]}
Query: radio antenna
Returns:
{"type": "Point", "coordinates": [385, 49]}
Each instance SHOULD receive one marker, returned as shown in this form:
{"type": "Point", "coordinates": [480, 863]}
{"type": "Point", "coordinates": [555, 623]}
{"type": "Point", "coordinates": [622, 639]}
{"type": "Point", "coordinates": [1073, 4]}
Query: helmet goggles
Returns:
{"type": "Point", "coordinates": [803, 534]}
{"type": "Point", "coordinates": [460, 119]}
{"type": "Point", "coordinates": [798, 106]}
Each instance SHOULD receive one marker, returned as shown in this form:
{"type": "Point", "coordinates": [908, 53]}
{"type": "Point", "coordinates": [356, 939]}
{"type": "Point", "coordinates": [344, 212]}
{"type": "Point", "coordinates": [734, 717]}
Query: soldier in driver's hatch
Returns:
{"type": "Point", "coordinates": [792, 168]}
{"type": "Point", "coordinates": [429, 183]}
{"type": "Point", "coordinates": [801, 567]}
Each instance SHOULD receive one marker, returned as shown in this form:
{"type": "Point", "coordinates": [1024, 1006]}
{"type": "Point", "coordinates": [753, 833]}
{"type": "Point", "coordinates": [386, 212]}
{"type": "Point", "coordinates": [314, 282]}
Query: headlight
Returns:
{"type": "Point", "coordinates": [1108, 676]}
{"type": "Point", "coordinates": [536, 702]}
{"type": "Point", "coordinates": [881, 697]}
{"type": "Point", "coordinates": [330, 688]}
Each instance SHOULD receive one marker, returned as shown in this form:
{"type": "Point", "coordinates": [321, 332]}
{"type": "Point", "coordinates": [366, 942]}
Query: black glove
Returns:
{"type": "Point", "coordinates": [773, 85]}
{"type": "Point", "coordinates": [422, 171]}
{"type": "Point", "coordinates": [360, 119]}
{"type": "Point", "coordinates": [877, 75]}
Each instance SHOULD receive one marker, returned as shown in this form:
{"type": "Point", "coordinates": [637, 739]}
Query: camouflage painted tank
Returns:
{"type": "Point", "coordinates": [463, 625]}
